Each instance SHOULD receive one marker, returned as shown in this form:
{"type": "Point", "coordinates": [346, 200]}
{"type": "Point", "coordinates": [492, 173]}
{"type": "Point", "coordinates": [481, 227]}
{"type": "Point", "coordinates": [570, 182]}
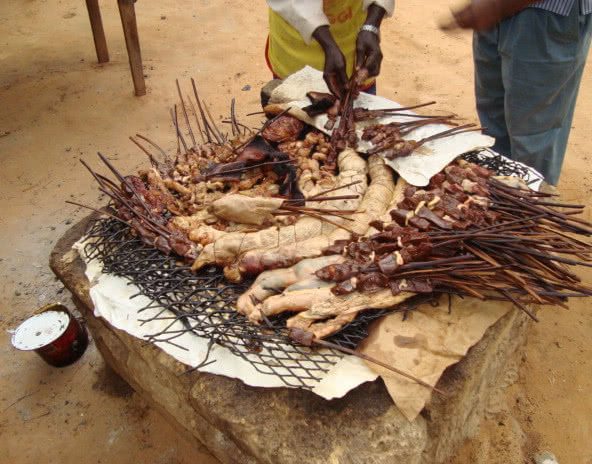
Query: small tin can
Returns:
{"type": "Point", "coordinates": [54, 334]}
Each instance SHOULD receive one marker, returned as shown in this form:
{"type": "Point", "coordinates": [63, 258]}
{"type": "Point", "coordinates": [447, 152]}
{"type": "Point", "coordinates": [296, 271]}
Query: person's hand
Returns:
{"type": "Point", "coordinates": [368, 53]}
{"type": "Point", "coordinates": [481, 15]}
{"type": "Point", "coordinates": [334, 72]}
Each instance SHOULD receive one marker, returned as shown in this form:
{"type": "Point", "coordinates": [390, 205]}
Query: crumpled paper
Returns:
{"type": "Point", "coordinates": [424, 344]}
{"type": "Point", "coordinates": [419, 167]}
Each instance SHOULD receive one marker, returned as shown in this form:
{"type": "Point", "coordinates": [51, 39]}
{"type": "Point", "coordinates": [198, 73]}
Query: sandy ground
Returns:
{"type": "Point", "coordinates": [58, 105]}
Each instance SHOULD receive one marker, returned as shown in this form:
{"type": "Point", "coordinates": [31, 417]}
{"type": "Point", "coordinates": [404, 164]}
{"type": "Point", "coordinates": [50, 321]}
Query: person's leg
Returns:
{"type": "Point", "coordinates": [543, 57]}
{"type": "Point", "coordinates": [489, 89]}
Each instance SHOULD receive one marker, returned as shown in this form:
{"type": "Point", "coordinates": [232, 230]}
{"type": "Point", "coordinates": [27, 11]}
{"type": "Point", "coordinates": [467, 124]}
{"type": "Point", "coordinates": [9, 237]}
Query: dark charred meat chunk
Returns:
{"type": "Point", "coordinates": [491, 216]}
{"type": "Point", "coordinates": [428, 214]}
{"type": "Point", "coordinates": [455, 174]}
{"type": "Point", "coordinates": [461, 225]}
{"type": "Point", "coordinates": [416, 252]}
{"type": "Point", "coordinates": [283, 129]}
{"type": "Point", "coordinates": [360, 251]}
{"type": "Point", "coordinates": [378, 225]}
{"type": "Point", "coordinates": [401, 216]}
{"type": "Point", "coordinates": [419, 223]}
{"type": "Point", "coordinates": [371, 282]}
{"type": "Point", "coordinates": [382, 248]}
{"type": "Point", "coordinates": [181, 245]}
{"type": "Point", "coordinates": [407, 204]}
{"type": "Point", "coordinates": [344, 288]}
{"type": "Point", "coordinates": [338, 272]}
{"type": "Point", "coordinates": [481, 171]}
{"type": "Point", "coordinates": [437, 180]}
{"type": "Point", "coordinates": [450, 206]}
{"type": "Point", "coordinates": [320, 103]}
{"type": "Point", "coordinates": [302, 337]}
{"type": "Point", "coordinates": [336, 248]}
{"type": "Point", "coordinates": [456, 191]}
{"type": "Point", "coordinates": [390, 264]}
{"type": "Point", "coordinates": [410, 191]}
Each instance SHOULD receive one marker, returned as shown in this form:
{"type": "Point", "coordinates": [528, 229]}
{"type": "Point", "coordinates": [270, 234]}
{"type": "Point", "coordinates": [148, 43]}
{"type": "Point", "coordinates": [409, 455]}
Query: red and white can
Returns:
{"type": "Point", "coordinates": [54, 334]}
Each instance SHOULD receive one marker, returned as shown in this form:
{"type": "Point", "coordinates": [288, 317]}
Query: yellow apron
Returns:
{"type": "Point", "coordinates": [287, 52]}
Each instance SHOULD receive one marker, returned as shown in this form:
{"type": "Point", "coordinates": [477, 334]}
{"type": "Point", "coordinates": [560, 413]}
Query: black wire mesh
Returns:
{"type": "Point", "coordinates": [204, 301]}
{"type": "Point", "coordinates": [502, 166]}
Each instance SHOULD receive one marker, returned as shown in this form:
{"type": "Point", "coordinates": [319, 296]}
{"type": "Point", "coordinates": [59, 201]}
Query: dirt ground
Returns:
{"type": "Point", "coordinates": [59, 105]}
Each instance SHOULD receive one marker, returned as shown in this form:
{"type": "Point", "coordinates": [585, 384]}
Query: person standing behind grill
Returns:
{"type": "Point", "coordinates": [529, 60]}
{"type": "Point", "coordinates": [328, 35]}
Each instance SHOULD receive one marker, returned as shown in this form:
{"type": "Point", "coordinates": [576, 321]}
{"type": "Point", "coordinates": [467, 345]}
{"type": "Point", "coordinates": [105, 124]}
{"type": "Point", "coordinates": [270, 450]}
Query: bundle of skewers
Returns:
{"type": "Point", "coordinates": [471, 234]}
{"type": "Point", "coordinates": [221, 182]}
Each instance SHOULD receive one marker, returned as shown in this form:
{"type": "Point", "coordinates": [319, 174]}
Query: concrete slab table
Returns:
{"type": "Point", "coordinates": [243, 425]}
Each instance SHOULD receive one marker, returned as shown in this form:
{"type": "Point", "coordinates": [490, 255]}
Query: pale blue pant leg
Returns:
{"type": "Point", "coordinates": [489, 88]}
{"type": "Point", "coordinates": [542, 60]}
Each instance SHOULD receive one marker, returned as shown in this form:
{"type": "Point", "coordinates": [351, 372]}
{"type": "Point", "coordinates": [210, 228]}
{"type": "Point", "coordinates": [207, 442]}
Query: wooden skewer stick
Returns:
{"type": "Point", "coordinates": [200, 130]}
{"type": "Point", "coordinates": [113, 216]}
{"type": "Point", "coordinates": [334, 190]}
{"type": "Point", "coordinates": [373, 360]}
{"type": "Point", "coordinates": [185, 112]}
{"type": "Point", "coordinates": [153, 161]}
{"type": "Point", "coordinates": [209, 131]}
{"type": "Point", "coordinates": [179, 135]}
{"type": "Point", "coordinates": [146, 139]}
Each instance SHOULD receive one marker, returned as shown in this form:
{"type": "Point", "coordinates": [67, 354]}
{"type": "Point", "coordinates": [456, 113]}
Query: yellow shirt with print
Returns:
{"type": "Point", "coordinates": [288, 53]}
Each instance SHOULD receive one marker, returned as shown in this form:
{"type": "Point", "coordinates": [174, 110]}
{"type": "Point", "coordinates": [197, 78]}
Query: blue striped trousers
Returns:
{"type": "Point", "coordinates": [528, 71]}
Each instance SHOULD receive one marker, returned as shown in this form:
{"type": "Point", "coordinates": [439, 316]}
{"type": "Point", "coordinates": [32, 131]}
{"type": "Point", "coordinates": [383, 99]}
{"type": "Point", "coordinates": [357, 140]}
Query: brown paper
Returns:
{"type": "Point", "coordinates": [426, 343]}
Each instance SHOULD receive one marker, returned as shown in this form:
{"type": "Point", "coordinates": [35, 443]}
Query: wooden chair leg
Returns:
{"type": "Point", "coordinates": [132, 42]}
{"type": "Point", "coordinates": [96, 24]}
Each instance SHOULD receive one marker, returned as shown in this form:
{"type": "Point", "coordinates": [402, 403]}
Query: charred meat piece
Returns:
{"type": "Point", "coordinates": [390, 263]}
{"type": "Point", "coordinates": [283, 129]}
{"type": "Point", "coordinates": [320, 103]}
{"type": "Point", "coordinates": [338, 272]}
{"type": "Point", "coordinates": [405, 217]}
{"type": "Point", "coordinates": [336, 248]}
{"type": "Point", "coordinates": [371, 282]}
{"type": "Point", "coordinates": [413, 253]}
{"type": "Point", "coordinates": [437, 180]}
{"type": "Point", "coordinates": [455, 174]}
{"type": "Point", "coordinates": [428, 214]}
{"type": "Point", "coordinates": [344, 288]}
{"type": "Point", "coordinates": [359, 251]}
{"type": "Point", "coordinates": [450, 206]}
{"type": "Point", "coordinates": [411, 285]}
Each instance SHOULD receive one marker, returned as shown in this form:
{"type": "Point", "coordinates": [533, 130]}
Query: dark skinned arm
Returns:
{"type": "Point", "coordinates": [334, 72]}
{"type": "Point", "coordinates": [484, 14]}
{"type": "Point", "coordinates": [368, 53]}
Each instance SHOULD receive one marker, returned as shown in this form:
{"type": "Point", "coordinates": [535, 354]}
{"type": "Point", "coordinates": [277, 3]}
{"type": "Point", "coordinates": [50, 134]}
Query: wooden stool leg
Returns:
{"type": "Point", "coordinates": [132, 42]}
{"type": "Point", "coordinates": [96, 24]}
